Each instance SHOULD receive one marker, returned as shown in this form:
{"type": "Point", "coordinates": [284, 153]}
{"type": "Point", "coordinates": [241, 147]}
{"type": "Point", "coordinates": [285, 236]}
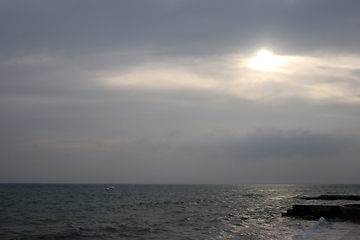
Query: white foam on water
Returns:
{"type": "Point", "coordinates": [302, 234]}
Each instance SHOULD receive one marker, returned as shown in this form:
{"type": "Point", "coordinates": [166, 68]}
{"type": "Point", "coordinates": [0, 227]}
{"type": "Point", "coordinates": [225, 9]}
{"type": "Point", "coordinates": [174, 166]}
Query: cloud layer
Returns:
{"type": "Point", "coordinates": [162, 92]}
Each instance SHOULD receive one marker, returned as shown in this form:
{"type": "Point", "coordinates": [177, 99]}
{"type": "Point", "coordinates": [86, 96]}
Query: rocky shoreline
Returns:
{"type": "Point", "coordinates": [348, 212]}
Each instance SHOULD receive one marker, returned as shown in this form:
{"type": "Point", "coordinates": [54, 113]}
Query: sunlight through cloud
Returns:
{"type": "Point", "coordinates": [266, 61]}
{"type": "Point", "coordinates": [260, 76]}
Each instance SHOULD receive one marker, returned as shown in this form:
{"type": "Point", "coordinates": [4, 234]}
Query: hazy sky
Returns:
{"type": "Point", "coordinates": [163, 91]}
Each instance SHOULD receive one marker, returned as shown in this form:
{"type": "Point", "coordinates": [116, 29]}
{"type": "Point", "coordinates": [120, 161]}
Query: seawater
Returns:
{"type": "Point", "coordinates": [46, 211]}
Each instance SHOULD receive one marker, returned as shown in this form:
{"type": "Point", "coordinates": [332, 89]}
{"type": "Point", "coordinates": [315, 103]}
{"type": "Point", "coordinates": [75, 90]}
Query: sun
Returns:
{"type": "Point", "coordinates": [265, 61]}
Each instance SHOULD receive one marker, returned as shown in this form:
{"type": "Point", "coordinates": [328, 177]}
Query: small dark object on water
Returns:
{"type": "Point", "coordinates": [332, 197]}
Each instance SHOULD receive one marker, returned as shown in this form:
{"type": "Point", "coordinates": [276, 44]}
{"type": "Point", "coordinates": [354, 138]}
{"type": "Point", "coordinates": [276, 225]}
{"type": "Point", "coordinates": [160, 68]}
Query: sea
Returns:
{"type": "Point", "coordinates": [93, 211]}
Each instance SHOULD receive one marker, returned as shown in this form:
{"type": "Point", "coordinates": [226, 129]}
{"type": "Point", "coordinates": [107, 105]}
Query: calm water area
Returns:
{"type": "Point", "coordinates": [83, 211]}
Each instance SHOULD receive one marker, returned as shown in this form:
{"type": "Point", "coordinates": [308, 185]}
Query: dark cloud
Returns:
{"type": "Point", "coordinates": [76, 27]}
{"type": "Point", "coordinates": [212, 160]}
{"type": "Point", "coordinates": [285, 144]}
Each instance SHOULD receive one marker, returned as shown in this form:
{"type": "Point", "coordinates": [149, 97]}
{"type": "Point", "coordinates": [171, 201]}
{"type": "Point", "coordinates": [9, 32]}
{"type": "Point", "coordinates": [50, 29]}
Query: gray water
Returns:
{"type": "Point", "coordinates": [46, 211]}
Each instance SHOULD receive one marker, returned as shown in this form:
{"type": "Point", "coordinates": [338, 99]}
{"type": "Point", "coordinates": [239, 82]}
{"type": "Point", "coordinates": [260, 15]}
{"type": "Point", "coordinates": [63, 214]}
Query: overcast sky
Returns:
{"type": "Point", "coordinates": [180, 92]}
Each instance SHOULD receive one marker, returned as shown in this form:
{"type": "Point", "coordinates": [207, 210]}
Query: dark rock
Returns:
{"type": "Point", "coordinates": [346, 211]}
{"type": "Point", "coordinates": [351, 212]}
{"type": "Point", "coordinates": [332, 197]}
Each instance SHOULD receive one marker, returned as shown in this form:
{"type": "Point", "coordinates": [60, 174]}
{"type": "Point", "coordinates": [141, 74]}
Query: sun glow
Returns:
{"type": "Point", "coordinates": [266, 61]}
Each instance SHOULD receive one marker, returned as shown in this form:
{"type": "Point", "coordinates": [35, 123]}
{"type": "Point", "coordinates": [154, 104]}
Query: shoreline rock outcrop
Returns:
{"type": "Point", "coordinates": [349, 212]}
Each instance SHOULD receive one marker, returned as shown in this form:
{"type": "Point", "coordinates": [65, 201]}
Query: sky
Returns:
{"type": "Point", "coordinates": [180, 92]}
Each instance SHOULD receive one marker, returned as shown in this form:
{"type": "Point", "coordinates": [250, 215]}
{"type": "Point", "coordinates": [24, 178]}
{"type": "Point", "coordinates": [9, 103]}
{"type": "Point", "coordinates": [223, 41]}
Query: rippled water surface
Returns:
{"type": "Point", "coordinates": [35, 211]}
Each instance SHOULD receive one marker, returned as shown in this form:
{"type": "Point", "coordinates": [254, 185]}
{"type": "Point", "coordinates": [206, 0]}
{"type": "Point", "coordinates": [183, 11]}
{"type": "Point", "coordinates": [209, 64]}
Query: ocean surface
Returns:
{"type": "Point", "coordinates": [71, 211]}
